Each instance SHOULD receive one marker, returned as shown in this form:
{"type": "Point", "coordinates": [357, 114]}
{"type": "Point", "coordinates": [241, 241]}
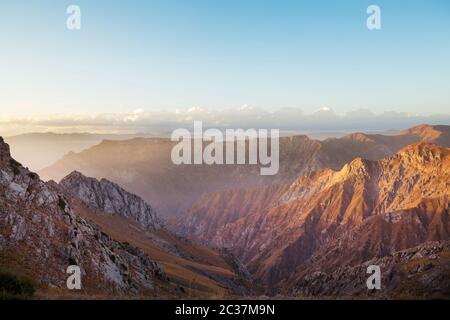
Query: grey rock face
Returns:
{"type": "Point", "coordinates": [108, 197]}
{"type": "Point", "coordinates": [408, 273]}
{"type": "Point", "coordinates": [38, 223]}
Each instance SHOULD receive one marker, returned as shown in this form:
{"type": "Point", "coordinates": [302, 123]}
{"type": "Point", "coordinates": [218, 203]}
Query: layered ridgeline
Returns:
{"type": "Point", "coordinates": [27, 148]}
{"type": "Point", "coordinates": [330, 220]}
{"type": "Point", "coordinates": [147, 169]}
{"type": "Point", "coordinates": [113, 236]}
{"type": "Point", "coordinates": [109, 197]}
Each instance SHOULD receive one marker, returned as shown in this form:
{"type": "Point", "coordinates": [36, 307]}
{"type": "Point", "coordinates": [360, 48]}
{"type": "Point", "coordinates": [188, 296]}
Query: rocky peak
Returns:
{"type": "Point", "coordinates": [108, 197]}
{"type": "Point", "coordinates": [5, 155]}
{"type": "Point", "coordinates": [76, 175]}
{"type": "Point", "coordinates": [426, 132]}
{"type": "Point", "coordinates": [422, 153]}
{"type": "Point", "coordinates": [361, 137]}
{"type": "Point", "coordinates": [358, 166]}
{"type": "Point", "coordinates": [38, 222]}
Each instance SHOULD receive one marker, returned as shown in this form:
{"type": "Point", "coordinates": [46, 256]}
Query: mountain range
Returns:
{"type": "Point", "coordinates": [140, 226]}
{"type": "Point", "coordinates": [366, 209]}
{"type": "Point", "coordinates": [113, 236]}
{"type": "Point", "coordinates": [147, 169]}
{"type": "Point", "coordinates": [27, 148]}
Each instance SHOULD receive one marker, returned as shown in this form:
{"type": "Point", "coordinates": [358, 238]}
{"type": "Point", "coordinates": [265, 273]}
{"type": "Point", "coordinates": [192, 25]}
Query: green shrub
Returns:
{"type": "Point", "coordinates": [15, 166]}
{"type": "Point", "coordinates": [61, 203]}
{"type": "Point", "coordinates": [33, 176]}
{"type": "Point", "coordinates": [14, 287]}
{"type": "Point", "coordinates": [15, 163]}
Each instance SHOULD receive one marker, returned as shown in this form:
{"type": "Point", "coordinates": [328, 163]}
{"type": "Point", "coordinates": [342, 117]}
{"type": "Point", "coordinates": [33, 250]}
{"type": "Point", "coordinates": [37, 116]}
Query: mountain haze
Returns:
{"type": "Point", "coordinates": [148, 171]}
{"type": "Point", "coordinates": [28, 148]}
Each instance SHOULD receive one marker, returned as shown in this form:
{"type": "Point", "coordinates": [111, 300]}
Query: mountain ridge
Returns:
{"type": "Point", "coordinates": [148, 171]}
{"type": "Point", "coordinates": [109, 197]}
{"type": "Point", "coordinates": [44, 229]}
{"type": "Point", "coordinates": [319, 207]}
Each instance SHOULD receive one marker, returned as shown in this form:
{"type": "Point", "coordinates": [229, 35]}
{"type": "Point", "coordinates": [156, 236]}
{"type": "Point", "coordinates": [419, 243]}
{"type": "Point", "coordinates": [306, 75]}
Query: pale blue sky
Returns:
{"type": "Point", "coordinates": [166, 54]}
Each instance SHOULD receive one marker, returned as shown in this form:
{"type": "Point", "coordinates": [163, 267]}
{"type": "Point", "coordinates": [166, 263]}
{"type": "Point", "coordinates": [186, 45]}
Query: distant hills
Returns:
{"type": "Point", "coordinates": [39, 150]}
{"type": "Point", "coordinates": [143, 165]}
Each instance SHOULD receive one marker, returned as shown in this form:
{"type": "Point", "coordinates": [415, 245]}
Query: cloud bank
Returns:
{"type": "Point", "coordinates": [163, 122]}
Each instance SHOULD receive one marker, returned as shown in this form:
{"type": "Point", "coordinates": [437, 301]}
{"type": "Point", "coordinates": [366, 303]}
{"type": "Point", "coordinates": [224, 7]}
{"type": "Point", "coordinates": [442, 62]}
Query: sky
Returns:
{"type": "Point", "coordinates": [133, 57]}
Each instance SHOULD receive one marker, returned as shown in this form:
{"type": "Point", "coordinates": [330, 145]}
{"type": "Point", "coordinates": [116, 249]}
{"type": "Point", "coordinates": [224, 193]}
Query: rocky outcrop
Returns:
{"type": "Point", "coordinates": [108, 197]}
{"type": "Point", "coordinates": [5, 154]}
{"type": "Point", "coordinates": [38, 224]}
{"type": "Point", "coordinates": [418, 272]}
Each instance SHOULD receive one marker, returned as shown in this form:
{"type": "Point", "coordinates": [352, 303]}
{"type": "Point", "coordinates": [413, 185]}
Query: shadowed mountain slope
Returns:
{"type": "Point", "coordinates": [144, 167]}
{"type": "Point", "coordinates": [328, 219]}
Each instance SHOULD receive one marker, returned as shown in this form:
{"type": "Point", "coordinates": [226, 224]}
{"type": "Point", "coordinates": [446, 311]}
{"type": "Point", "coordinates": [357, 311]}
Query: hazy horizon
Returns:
{"type": "Point", "coordinates": [163, 122]}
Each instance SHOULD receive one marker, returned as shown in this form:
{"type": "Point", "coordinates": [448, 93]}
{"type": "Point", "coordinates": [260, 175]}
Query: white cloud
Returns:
{"type": "Point", "coordinates": [245, 116]}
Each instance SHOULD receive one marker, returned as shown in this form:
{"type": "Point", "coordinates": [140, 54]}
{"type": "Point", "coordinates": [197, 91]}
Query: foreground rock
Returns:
{"type": "Point", "coordinates": [41, 230]}
{"type": "Point", "coordinates": [420, 272]}
{"type": "Point", "coordinates": [108, 197]}
{"type": "Point", "coordinates": [113, 236]}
